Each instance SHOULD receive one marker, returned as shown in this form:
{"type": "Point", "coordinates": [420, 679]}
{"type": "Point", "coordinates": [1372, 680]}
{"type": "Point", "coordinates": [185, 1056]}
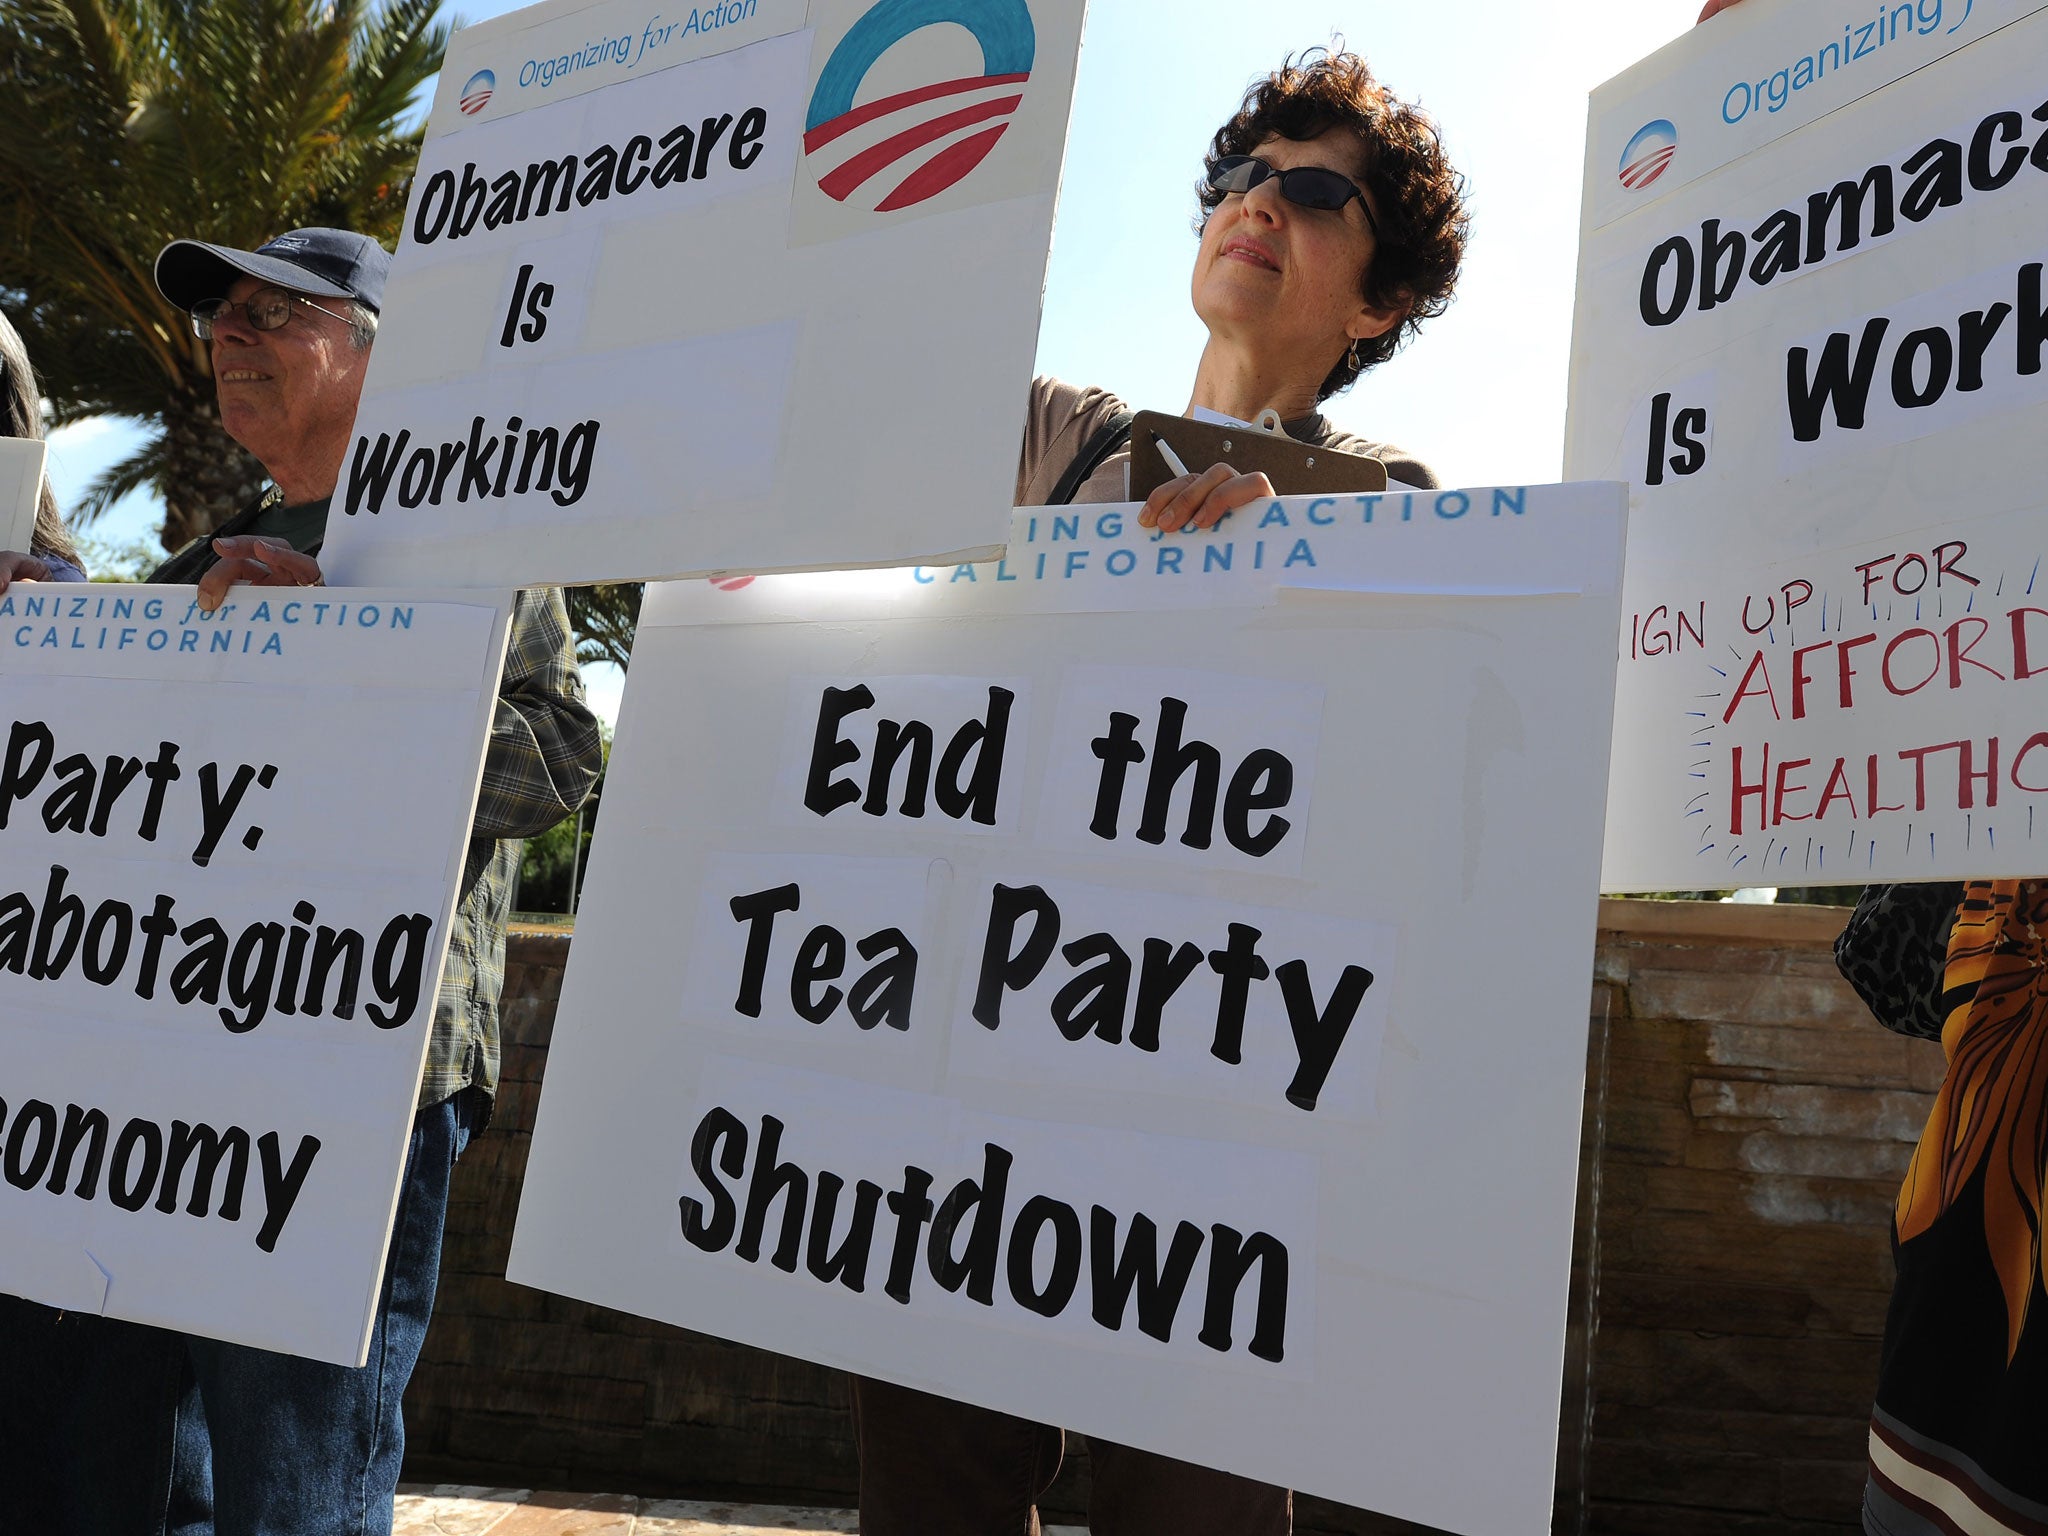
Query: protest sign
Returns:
{"type": "Point", "coordinates": [21, 483]}
{"type": "Point", "coordinates": [1871, 712]}
{"type": "Point", "coordinates": [232, 844]}
{"type": "Point", "coordinates": [1810, 328]}
{"type": "Point", "coordinates": [1139, 984]}
{"type": "Point", "coordinates": [753, 286]}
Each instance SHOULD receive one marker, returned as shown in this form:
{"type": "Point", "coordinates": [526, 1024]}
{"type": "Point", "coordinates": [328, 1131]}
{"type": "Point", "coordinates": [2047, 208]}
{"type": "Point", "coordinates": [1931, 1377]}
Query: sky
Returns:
{"type": "Point", "coordinates": [1479, 395]}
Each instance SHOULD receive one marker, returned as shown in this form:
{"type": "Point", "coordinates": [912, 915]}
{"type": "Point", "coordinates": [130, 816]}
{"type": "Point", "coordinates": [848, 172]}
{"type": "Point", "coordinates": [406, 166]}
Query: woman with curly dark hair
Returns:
{"type": "Point", "coordinates": [1332, 225]}
{"type": "Point", "coordinates": [51, 556]}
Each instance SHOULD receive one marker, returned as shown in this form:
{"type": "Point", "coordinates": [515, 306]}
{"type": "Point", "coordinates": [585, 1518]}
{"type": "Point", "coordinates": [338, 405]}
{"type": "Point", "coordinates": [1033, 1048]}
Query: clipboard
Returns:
{"type": "Point", "coordinates": [1295, 468]}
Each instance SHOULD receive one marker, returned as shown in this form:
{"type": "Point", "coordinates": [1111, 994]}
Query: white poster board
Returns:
{"type": "Point", "coordinates": [231, 844]}
{"type": "Point", "coordinates": [1810, 330]}
{"type": "Point", "coordinates": [1308, 1020]}
{"type": "Point", "coordinates": [21, 485]}
{"type": "Point", "coordinates": [1873, 712]}
{"type": "Point", "coordinates": [679, 295]}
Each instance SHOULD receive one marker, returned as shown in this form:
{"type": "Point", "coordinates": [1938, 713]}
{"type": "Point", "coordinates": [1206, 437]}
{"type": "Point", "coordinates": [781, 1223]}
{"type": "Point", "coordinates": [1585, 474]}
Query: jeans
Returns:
{"type": "Point", "coordinates": [85, 1448]}
{"type": "Point", "coordinates": [147, 1431]}
{"type": "Point", "coordinates": [302, 1448]}
{"type": "Point", "coordinates": [931, 1467]}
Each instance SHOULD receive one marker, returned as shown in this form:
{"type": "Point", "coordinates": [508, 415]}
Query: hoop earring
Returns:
{"type": "Point", "coordinates": [1352, 355]}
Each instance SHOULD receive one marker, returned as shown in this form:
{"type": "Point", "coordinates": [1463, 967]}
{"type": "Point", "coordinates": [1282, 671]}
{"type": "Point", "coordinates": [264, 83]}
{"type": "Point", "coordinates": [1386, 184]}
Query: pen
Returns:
{"type": "Point", "coordinates": [1172, 459]}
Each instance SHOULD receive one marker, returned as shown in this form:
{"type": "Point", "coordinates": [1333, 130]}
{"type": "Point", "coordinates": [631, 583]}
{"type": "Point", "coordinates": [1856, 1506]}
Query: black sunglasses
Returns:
{"type": "Point", "coordinates": [1306, 186]}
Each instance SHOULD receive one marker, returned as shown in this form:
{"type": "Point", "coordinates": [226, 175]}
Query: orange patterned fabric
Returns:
{"type": "Point", "coordinates": [1992, 1111]}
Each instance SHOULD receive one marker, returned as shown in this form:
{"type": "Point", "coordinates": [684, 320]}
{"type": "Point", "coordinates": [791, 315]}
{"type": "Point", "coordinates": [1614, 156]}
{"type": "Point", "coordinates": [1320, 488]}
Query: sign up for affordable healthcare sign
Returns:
{"type": "Point", "coordinates": [1103, 985]}
{"type": "Point", "coordinates": [753, 286]}
{"type": "Point", "coordinates": [230, 844]}
{"type": "Point", "coordinates": [1811, 326]}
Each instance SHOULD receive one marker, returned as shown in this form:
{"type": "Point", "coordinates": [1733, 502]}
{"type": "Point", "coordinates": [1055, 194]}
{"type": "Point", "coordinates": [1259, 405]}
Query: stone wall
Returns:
{"type": "Point", "coordinates": [1747, 1124]}
{"type": "Point", "coordinates": [1756, 1125]}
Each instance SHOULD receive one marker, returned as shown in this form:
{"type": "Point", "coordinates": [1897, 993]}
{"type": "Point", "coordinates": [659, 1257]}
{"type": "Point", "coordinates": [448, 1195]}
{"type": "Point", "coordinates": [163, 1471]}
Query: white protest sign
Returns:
{"type": "Point", "coordinates": [232, 845]}
{"type": "Point", "coordinates": [1875, 713]}
{"type": "Point", "coordinates": [748, 287]}
{"type": "Point", "coordinates": [21, 486]}
{"type": "Point", "coordinates": [1139, 984]}
{"type": "Point", "coordinates": [1811, 319]}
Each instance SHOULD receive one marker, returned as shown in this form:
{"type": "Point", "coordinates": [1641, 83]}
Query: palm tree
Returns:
{"type": "Point", "coordinates": [125, 124]}
{"type": "Point", "coordinates": [605, 619]}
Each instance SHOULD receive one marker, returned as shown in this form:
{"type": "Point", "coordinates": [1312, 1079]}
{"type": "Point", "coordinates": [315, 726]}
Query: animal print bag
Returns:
{"type": "Point", "coordinates": [1893, 952]}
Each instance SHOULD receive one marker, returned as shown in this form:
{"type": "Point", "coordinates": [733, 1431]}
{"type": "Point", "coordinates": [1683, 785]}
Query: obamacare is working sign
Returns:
{"type": "Point", "coordinates": [753, 286]}
{"type": "Point", "coordinates": [1811, 330]}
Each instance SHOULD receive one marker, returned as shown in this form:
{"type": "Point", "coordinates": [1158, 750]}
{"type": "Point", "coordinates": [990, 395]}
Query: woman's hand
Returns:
{"type": "Point", "coordinates": [1204, 500]}
{"type": "Point", "coordinates": [15, 566]}
{"type": "Point", "coordinates": [258, 562]}
{"type": "Point", "coordinates": [1713, 7]}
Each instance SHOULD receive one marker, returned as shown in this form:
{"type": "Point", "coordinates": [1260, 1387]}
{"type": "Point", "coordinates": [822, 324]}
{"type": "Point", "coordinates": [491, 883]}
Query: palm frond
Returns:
{"type": "Point", "coordinates": [604, 620]}
{"type": "Point", "coordinates": [141, 468]}
{"type": "Point", "coordinates": [125, 124]}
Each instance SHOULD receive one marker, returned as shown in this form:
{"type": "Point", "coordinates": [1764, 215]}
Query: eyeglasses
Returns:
{"type": "Point", "coordinates": [1306, 186]}
{"type": "Point", "coordinates": [267, 309]}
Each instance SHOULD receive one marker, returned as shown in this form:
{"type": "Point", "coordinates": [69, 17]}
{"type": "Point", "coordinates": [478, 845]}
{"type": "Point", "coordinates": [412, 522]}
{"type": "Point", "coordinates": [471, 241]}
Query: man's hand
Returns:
{"type": "Point", "coordinates": [1201, 501]}
{"type": "Point", "coordinates": [15, 566]}
{"type": "Point", "coordinates": [257, 562]}
{"type": "Point", "coordinates": [1714, 7]}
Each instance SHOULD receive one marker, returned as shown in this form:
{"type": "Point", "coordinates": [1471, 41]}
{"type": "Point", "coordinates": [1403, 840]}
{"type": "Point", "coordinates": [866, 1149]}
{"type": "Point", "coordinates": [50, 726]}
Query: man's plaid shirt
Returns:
{"type": "Point", "coordinates": [543, 760]}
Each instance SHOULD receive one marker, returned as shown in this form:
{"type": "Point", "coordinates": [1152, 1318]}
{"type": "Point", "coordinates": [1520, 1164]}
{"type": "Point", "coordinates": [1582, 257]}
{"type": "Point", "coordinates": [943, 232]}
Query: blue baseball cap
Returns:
{"type": "Point", "coordinates": [328, 263]}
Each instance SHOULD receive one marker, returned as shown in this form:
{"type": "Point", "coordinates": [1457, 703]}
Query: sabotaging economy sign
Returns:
{"type": "Point", "coordinates": [749, 286]}
{"type": "Point", "coordinates": [230, 844]}
{"type": "Point", "coordinates": [1811, 326]}
{"type": "Point", "coordinates": [1104, 984]}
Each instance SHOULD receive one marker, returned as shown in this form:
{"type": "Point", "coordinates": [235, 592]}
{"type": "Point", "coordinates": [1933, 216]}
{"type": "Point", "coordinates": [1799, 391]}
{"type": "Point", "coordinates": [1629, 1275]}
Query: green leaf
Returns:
{"type": "Point", "coordinates": [126, 124]}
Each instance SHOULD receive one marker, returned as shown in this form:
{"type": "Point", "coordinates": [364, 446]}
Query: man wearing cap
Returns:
{"type": "Point", "coordinates": [291, 325]}
{"type": "Point", "coordinates": [147, 1430]}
